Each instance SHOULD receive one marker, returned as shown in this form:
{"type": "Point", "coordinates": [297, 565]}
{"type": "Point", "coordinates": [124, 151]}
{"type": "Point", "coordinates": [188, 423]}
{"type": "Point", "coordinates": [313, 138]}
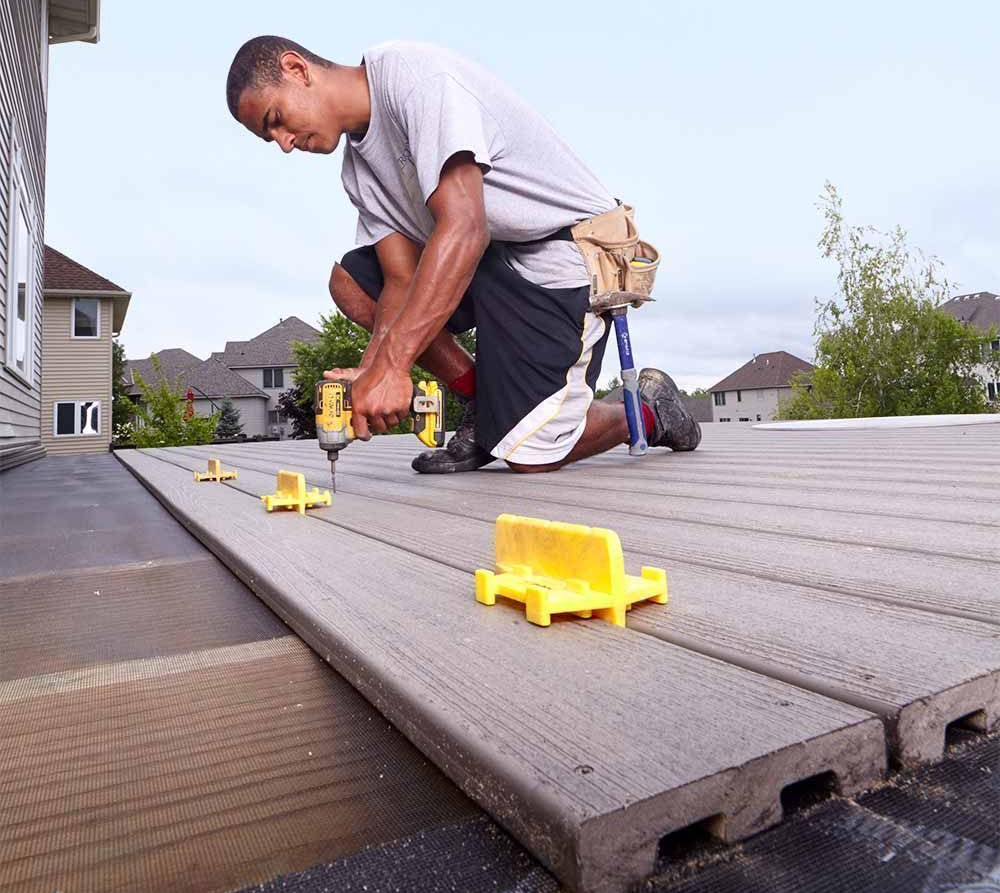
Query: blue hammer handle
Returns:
{"type": "Point", "coordinates": [630, 386]}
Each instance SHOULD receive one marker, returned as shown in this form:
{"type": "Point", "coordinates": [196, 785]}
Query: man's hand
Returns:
{"type": "Point", "coordinates": [343, 374]}
{"type": "Point", "coordinates": [381, 398]}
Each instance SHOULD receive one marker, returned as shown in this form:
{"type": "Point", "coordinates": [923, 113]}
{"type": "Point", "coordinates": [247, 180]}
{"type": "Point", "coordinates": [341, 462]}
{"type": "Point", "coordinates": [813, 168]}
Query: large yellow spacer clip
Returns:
{"type": "Point", "coordinates": [556, 568]}
{"type": "Point", "coordinates": [215, 472]}
{"type": "Point", "coordinates": [292, 493]}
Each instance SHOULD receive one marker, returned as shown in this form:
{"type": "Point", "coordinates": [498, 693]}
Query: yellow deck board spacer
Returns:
{"type": "Point", "coordinates": [215, 472]}
{"type": "Point", "coordinates": [292, 493]}
{"type": "Point", "coordinates": [557, 568]}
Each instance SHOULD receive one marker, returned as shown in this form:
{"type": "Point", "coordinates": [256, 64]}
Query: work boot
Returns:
{"type": "Point", "coordinates": [462, 452]}
{"type": "Point", "coordinates": [673, 425]}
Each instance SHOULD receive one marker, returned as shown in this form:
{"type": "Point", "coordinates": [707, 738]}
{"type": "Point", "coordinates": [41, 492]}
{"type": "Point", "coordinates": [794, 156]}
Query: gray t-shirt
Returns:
{"type": "Point", "coordinates": [427, 103]}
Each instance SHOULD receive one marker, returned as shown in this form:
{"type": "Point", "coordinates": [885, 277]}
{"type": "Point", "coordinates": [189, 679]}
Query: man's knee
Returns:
{"type": "Point", "coordinates": [533, 469]}
{"type": "Point", "coordinates": [350, 298]}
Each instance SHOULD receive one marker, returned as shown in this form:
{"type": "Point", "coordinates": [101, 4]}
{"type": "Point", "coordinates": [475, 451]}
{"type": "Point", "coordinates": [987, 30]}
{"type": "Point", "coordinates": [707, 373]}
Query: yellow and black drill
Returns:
{"type": "Point", "coordinates": [333, 418]}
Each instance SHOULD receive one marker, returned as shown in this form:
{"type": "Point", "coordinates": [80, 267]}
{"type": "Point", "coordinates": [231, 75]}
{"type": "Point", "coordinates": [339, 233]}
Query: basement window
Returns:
{"type": "Point", "coordinates": [86, 318]}
{"type": "Point", "coordinates": [76, 418]}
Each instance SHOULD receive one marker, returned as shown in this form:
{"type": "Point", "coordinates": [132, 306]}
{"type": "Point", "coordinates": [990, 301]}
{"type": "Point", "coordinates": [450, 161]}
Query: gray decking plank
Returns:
{"type": "Point", "coordinates": [589, 742]}
{"type": "Point", "coordinates": [930, 537]}
{"type": "Point", "coordinates": [919, 671]}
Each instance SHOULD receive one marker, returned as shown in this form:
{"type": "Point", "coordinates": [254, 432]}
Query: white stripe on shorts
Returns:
{"type": "Point", "coordinates": [551, 429]}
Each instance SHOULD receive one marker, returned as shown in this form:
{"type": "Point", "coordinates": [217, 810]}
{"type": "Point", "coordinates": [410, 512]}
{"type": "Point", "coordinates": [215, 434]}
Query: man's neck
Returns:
{"type": "Point", "coordinates": [349, 98]}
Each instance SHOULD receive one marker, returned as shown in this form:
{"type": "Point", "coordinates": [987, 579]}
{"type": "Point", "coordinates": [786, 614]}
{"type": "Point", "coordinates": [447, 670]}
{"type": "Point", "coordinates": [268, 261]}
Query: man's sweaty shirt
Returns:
{"type": "Point", "coordinates": [427, 103]}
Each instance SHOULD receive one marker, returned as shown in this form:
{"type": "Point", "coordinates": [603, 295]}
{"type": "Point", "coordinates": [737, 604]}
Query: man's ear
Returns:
{"type": "Point", "coordinates": [294, 66]}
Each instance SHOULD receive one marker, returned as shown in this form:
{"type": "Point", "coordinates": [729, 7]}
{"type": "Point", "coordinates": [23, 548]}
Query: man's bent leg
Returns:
{"type": "Point", "coordinates": [606, 428]}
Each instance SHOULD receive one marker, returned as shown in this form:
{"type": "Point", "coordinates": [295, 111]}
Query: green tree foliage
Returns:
{"type": "Point", "coordinates": [882, 346]}
{"type": "Point", "coordinates": [600, 393]}
{"type": "Point", "coordinates": [229, 421]}
{"type": "Point", "coordinates": [341, 345]}
{"type": "Point", "coordinates": [121, 406]}
{"type": "Point", "coordinates": [160, 414]}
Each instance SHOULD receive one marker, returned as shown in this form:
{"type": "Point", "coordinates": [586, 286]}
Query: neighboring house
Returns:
{"type": "Point", "coordinates": [267, 363]}
{"type": "Point", "coordinates": [82, 312]}
{"type": "Point", "coordinates": [27, 27]}
{"type": "Point", "coordinates": [210, 383]}
{"type": "Point", "coordinates": [980, 309]}
{"type": "Point", "coordinates": [752, 392]}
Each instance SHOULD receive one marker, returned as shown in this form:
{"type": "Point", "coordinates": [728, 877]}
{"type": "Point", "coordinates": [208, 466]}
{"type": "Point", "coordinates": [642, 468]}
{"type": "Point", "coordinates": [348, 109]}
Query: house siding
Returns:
{"type": "Point", "coordinates": [22, 112]}
{"type": "Point", "coordinates": [756, 401]}
{"type": "Point", "coordinates": [255, 375]}
{"type": "Point", "coordinates": [75, 369]}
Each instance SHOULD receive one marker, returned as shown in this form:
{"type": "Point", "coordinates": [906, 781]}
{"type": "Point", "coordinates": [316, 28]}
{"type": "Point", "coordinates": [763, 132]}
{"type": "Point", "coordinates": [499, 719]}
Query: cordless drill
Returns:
{"type": "Point", "coordinates": [335, 431]}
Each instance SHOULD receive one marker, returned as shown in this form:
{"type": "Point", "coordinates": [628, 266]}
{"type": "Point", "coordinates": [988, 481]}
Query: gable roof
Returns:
{"type": "Point", "coordinates": [981, 309]}
{"type": "Point", "coordinates": [174, 361]}
{"type": "Point", "coordinates": [270, 348]}
{"type": "Point", "coordinates": [766, 370]}
{"type": "Point", "coordinates": [207, 378]}
{"type": "Point", "coordinates": [67, 278]}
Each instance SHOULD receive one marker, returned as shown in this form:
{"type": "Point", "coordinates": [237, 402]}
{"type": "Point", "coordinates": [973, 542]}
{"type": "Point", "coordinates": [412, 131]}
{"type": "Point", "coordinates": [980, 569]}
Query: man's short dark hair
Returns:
{"type": "Point", "coordinates": [257, 63]}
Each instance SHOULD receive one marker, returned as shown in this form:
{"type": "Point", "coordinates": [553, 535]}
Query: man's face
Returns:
{"type": "Point", "coordinates": [290, 114]}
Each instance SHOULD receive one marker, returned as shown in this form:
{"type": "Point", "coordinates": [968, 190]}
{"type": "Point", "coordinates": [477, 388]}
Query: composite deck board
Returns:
{"type": "Point", "coordinates": [922, 536]}
{"type": "Point", "coordinates": [529, 722]}
{"type": "Point", "coordinates": [920, 671]}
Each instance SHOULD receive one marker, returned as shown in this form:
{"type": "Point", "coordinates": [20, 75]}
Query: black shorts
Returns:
{"type": "Point", "coordinates": [538, 356]}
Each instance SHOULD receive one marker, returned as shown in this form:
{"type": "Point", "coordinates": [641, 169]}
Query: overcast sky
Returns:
{"type": "Point", "coordinates": [720, 122]}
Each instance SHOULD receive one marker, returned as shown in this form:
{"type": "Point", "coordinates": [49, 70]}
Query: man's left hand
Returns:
{"type": "Point", "coordinates": [381, 398]}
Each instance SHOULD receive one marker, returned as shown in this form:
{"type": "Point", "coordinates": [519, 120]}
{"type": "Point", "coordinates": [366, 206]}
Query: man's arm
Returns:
{"type": "Point", "coordinates": [383, 392]}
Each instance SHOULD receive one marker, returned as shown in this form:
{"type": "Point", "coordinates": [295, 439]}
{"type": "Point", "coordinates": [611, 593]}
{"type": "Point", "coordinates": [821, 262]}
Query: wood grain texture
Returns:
{"type": "Point", "coordinates": [587, 741]}
{"type": "Point", "coordinates": [920, 670]}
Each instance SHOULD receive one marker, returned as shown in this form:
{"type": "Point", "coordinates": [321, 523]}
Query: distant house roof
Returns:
{"type": "Point", "coordinates": [766, 370]}
{"type": "Point", "coordinates": [207, 378]}
{"type": "Point", "coordinates": [270, 348]}
{"type": "Point", "coordinates": [66, 278]}
{"type": "Point", "coordinates": [981, 308]}
{"type": "Point", "coordinates": [174, 361]}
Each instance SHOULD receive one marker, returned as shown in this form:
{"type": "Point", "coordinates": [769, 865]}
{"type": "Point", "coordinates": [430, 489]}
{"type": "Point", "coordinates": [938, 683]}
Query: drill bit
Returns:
{"type": "Point", "coordinates": [333, 470]}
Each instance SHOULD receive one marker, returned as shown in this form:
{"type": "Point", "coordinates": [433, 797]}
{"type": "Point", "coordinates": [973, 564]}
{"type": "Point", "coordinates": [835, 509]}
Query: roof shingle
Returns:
{"type": "Point", "coordinates": [270, 348]}
{"type": "Point", "coordinates": [981, 309]}
{"type": "Point", "coordinates": [62, 272]}
{"type": "Point", "coordinates": [766, 370]}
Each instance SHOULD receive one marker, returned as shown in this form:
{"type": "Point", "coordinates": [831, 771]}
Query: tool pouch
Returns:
{"type": "Point", "coordinates": [615, 257]}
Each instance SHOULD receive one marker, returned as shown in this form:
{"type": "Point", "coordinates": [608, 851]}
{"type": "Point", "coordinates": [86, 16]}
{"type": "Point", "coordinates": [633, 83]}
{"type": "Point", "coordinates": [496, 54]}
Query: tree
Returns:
{"type": "Point", "coordinates": [161, 415]}
{"type": "Point", "coordinates": [600, 393]}
{"type": "Point", "coordinates": [121, 406]}
{"type": "Point", "coordinates": [696, 394]}
{"type": "Point", "coordinates": [229, 421]}
{"type": "Point", "coordinates": [882, 345]}
{"type": "Point", "coordinates": [299, 411]}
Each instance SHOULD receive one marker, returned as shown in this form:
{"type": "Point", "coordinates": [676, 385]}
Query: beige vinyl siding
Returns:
{"type": "Point", "coordinates": [22, 107]}
{"type": "Point", "coordinates": [75, 369]}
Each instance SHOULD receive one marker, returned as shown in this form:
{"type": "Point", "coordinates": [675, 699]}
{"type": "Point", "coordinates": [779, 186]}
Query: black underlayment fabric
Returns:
{"type": "Point", "coordinates": [472, 856]}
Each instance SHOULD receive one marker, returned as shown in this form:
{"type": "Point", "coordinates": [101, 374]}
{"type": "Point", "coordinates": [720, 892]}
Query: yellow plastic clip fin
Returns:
{"type": "Point", "coordinates": [557, 568]}
{"type": "Point", "coordinates": [292, 493]}
{"type": "Point", "coordinates": [429, 413]}
{"type": "Point", "coordinates": [215, 473]}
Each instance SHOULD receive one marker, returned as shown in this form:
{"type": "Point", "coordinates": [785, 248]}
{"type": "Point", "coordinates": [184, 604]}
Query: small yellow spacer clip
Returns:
{"type": "Point", "coordinates": [215, 473]}
{"type": "Point", "coordinates": [292, 493]}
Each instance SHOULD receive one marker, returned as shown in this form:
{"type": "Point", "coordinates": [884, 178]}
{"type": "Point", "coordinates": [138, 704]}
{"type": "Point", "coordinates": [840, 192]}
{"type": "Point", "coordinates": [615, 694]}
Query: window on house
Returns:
{"type": "Point", "coordinates": [739, 396]}
{"type": "Point", "coordinates": [86, 318]}
{"type": "Point", "coordinates": [274, 417]}
{"type": "Point", "coordinates": [76, 418]}
{"type": "Point", "coordinates": [274, 378]}
{"type": "Point", "coordinates": [758, 416]}
{"type": "Point", "coordinates": [20, 290]}
{"type": "Point", "coordinates": [991, 390]}
{"type": "Point", "coordinates": [725, 420]}
{"type": "Point", "coordinates": [720, 398]}
{"type": "Point", "coordinates": [744, 418]}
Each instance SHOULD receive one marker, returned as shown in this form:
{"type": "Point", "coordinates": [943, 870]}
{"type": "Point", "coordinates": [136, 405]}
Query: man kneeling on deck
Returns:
{"type": "Point", "coordinates": [466, 200]}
